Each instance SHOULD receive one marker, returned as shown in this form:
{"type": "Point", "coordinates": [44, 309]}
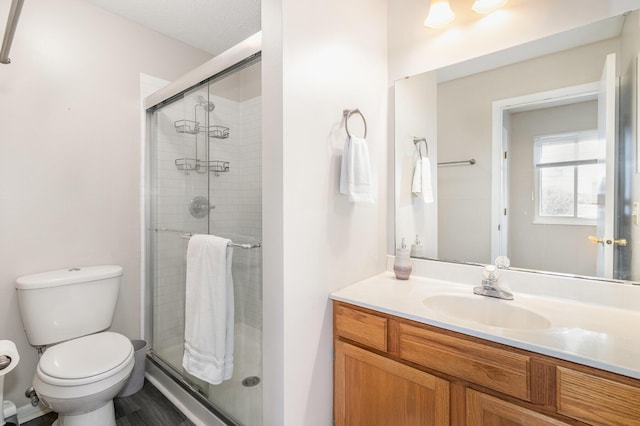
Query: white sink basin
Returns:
{"type": "Point", "coordinates": [487, 310]}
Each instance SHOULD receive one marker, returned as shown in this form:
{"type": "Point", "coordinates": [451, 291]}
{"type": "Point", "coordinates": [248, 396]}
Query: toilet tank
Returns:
{"type": "Point", "coordinates": [61, 305]}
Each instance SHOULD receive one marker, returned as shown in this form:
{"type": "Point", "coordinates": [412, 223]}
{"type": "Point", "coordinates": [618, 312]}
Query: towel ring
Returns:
{"type": "Point", "coordinates": [347, 113]}
{"type": "Point", "coordinates": [416, 142]}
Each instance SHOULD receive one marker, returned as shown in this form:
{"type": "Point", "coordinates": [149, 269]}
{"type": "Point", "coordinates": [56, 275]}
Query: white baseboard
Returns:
{"type": "Point", "coordinates": [29, 412]}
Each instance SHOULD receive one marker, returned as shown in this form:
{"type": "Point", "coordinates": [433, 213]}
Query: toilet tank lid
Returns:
{"type": "Point", "coordinates": [68, 276]}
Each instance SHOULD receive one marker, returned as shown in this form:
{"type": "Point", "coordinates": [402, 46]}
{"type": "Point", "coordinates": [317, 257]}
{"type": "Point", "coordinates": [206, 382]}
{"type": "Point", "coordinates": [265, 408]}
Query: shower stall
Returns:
{"type": "Point", "coordinates": [204, 177]}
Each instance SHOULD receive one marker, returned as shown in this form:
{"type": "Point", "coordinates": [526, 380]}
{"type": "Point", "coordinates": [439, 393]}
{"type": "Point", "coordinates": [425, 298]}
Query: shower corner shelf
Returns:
{"type": "Point", "coordinates": [191, 164]}
{"type": "Point", "coordinates": [215, 166]}
{"type": "Point", "coordinates": [186, 164]}
{"type": "Point", "coordinates": [193, 128]}
{"type": "Point", "coordinates": [187, 126]}
{"type": "Point", "coordinates": [218, 132]}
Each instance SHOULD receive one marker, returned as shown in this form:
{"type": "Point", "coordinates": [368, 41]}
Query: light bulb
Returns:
{"type": "Point", "coordinates": [440, 14]}
{"type": "Point", "coordinates": [485, 7]}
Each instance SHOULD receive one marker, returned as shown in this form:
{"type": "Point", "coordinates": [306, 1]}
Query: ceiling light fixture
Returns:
{"type": "Point", "coordinates": [440, 14]}
{"type": "Point", "coordinates": [485, 7]}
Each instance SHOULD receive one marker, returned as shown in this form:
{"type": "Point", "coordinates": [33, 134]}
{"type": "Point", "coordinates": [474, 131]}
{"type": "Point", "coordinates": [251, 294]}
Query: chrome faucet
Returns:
{"type": "Point", "coordinates": [490, 277]}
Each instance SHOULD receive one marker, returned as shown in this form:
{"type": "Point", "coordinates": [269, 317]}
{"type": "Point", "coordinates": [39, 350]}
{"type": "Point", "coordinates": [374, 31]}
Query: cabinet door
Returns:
{"type": "Point", "coordinates": [371, 390]}
{"type": "Point", "coordinates": [485, 410]}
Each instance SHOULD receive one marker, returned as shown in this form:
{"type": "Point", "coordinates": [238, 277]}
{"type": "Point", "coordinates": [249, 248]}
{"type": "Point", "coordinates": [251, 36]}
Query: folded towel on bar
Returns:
{"type": "Point", "coordinates": [209, 309]}
{"type": "Point", "coordinates": [421, 185]}
{"type": "Point", "coordinates": [355, 171]}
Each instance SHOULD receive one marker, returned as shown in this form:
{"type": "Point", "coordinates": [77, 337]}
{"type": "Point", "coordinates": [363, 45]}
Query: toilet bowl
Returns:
{"type": "Point", "coordinates": [78, 379]}
{"type": "Point", "coordinates": [83, 367]}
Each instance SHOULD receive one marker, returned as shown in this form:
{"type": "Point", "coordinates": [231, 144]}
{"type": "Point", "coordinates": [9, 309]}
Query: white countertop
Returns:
{"type": "Point", "coordinates": [599, 336]}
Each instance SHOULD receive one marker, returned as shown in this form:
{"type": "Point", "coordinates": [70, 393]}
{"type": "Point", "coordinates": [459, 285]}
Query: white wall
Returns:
{"type": "Point", "coordinates": [70, 152]}
{"type": "Point", "coordinates": [273, 214]}
{"type": "Point", "coordinates": [326, 56]}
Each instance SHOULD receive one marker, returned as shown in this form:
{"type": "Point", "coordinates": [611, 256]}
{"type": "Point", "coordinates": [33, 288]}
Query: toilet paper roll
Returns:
{"type": "Point", "coordinates": [8, 349]}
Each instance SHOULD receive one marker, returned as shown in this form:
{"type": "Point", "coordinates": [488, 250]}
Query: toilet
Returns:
{"type": "Point", "coordinates": [83, 367]}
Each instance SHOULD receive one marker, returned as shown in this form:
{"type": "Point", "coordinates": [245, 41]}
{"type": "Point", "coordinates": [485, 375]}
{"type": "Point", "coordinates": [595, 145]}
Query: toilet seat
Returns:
{"type": "Point", "coordinates": [85, 360]}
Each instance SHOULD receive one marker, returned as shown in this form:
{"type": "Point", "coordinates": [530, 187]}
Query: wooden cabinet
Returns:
{"type": "Point", "coordinates": [373, 390]}
{"type": "Point", "coordinates": [393, 371]}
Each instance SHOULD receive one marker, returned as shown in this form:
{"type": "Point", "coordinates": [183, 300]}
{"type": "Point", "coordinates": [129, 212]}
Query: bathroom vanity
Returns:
{"type": "Point", "coordinates": [403, 359]}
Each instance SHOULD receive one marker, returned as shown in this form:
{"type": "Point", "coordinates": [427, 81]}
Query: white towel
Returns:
{"type": "Point", "coordinates": [355, 171]}
{"type": "Point", "coordinates": [209, 313]}
{"type": "Point", "coordinates": [421, 185]}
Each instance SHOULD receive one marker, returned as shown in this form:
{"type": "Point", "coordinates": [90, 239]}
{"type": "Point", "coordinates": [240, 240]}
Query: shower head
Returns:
{"type": "Point", "coordinates": [208, 106]}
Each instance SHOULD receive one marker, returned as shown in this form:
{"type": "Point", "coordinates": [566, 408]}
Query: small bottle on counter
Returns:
{"type": "Point", "coordinates": [402, 264]}
{"type": "Point", "coordinates": [417, 248]}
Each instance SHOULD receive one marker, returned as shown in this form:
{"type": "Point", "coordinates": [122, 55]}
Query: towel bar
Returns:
{"type": "Point", "coordinates": [347, 113]}
{"type": "Point", "coordinates": [187, 235]}
{"type": "Point", "coordinates": [469, 162]}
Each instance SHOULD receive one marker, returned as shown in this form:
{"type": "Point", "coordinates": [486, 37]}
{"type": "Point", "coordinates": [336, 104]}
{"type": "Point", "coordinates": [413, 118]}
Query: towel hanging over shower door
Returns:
{"type": "Point", "coordinates": [209, 310]}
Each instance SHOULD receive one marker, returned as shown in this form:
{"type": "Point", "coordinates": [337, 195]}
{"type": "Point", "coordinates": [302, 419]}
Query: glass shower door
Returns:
{"type": "Point", "coordinates": [205, 178]}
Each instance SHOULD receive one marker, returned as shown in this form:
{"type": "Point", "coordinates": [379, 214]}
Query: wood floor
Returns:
{"type": "Point", "coordinates": [146, 407]}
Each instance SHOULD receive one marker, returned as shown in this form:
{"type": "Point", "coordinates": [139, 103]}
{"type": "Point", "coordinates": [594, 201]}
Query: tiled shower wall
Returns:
{"type": "Point", "coordinates": [235, 195]}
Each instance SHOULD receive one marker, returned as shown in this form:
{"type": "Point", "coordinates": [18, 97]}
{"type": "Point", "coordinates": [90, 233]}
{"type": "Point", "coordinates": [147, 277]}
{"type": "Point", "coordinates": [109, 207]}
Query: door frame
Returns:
{"type": "Point", "coordinates": [500, 171]}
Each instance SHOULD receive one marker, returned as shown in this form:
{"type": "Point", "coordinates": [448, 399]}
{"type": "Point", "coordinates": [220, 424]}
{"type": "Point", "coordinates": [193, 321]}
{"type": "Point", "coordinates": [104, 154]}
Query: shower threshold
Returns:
{"type": "Point", "coordinates": [175, 377]}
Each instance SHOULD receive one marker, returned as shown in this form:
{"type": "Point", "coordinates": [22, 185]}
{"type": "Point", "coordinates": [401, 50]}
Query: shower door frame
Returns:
{"type": "Point", "coordinates": [225, 64]}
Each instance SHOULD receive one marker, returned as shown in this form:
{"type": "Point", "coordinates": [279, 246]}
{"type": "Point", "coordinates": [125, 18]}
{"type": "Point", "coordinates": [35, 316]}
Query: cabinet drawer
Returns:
{"type": "Point", "coordinates": [483, 410]}
{"type": "Point", "coordinates": [595, 400]}
{"type": "Point", "coordinates": [498, 369]}
{"type": "Point", "coordinates": [361, 327]}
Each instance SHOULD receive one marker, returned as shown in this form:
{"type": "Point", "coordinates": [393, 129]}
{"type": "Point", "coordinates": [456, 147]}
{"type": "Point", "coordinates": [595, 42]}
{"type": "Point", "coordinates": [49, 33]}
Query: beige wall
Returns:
{"type": "Point", "coordinates": [70, 153]}
{"type": "Point", "coordinates": [557, 248]}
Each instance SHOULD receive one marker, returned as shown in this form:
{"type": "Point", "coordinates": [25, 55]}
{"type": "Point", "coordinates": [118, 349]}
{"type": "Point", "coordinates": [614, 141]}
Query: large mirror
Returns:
{"type": "Point", "coordinates": [529, 152]}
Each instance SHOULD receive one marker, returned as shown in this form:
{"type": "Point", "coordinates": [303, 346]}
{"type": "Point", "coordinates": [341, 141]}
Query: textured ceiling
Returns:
{"type": "Point", "coordinates": [210, 25]}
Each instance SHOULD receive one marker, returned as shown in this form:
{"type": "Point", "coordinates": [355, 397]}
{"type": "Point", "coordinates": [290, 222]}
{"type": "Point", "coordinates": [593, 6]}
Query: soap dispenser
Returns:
{"type": "Point", "coordinates": [417, 248]}
{"type": "Point", "coordinates": [402, 264]}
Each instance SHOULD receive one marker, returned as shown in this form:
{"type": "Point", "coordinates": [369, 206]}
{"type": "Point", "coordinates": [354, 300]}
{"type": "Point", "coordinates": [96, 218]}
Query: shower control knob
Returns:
{"type": "Point", "coordinates": [200, 207]}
